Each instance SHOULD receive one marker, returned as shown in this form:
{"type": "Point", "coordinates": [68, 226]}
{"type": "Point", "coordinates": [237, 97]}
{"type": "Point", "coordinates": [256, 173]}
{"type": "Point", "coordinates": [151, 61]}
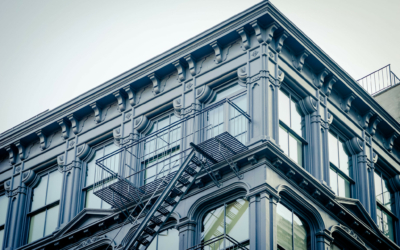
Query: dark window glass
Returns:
{"type": "Point", "coordinates": [292, 231]}
{"type": "Point", "coordinates": [384, 202]}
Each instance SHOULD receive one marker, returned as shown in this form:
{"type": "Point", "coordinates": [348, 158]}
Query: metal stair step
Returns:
{"type": "Point", "coordinates": [157, 219]}
{"type": "Point", "coordinates": [170, 201]}
{"type": "Point", "coordinates": [176, 191]}
{"type": "Point", "coordinates": [149, 230]}
{"type": "Point", "coordinates": [164, 210]}
{"type": "Point", "coordinates": [190, 171]}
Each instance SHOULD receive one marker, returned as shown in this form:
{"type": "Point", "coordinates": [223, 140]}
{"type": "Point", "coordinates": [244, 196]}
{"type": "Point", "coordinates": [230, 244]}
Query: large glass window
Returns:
{"type": "Point", "coordinates": [384, 201]}
{"type": "Point", "coordinates": [3, 216]}
{"type": "Point", "coordinates": [235, 123]}
{"type": "Point", "coordinates": [292, 231]}
{"type": "Point", "coordinates": [161, 151]}
{"type": "Point", "coordinates": [231, 219]}
{"type": "Point", "coordinates": [290, 127]}
{"type": "Point", "coordinates": [167, 239]}
{"type": "Point", "coordinates": [339, 166]}
{"type": "Point", "coordinates": [45, 205]}
{"type": "Point", "coordinates": [94, 173]}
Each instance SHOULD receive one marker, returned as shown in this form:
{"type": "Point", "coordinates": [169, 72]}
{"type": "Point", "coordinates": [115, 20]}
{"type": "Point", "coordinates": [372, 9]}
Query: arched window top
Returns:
{"type": "Point", "coordinates": [292, 231]}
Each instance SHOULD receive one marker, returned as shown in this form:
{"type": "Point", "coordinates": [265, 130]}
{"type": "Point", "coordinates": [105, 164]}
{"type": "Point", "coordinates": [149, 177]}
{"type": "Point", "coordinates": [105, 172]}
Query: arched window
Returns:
{"type": "Point", "coordinates": [43, 215]}
{"type": "Point", "coordinates": [292, 230]}
{"type": "Point", "coordinates": [165, 240]}
{"type": "Point", "coordinates": [231, 219]}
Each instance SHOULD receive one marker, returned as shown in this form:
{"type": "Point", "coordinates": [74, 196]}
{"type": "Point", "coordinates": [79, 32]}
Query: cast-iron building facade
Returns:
{"type": "Point", "coordinates": [247, 135]}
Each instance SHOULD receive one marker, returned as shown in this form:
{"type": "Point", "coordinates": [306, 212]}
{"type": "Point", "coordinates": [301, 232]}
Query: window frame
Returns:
{"type": "Point", "coordinates": [3, 226]}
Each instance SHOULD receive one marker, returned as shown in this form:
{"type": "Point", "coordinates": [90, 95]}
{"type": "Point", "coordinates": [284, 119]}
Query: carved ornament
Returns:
{"type": "Point", "coordinates": [279, 42]}
{"type": "Point", "coordinates": [245, 37]}
{"type": "Point", "coordinates": [131, 95]}
{"type": "Point", "coordinates": [156, 83]}
{"type": "Point", "coordinates": [192, 64]}
{"type": "Point", "coordinates": [74, 123]}
{"type": "Point", "coordinates": [281, 75]}
{"type": "Point", "coordinates": [42, 138]}
{"type": "Point", "coordinates": [28, 176]}
{"type": "Point", "coordinates": [204, 93]}
{"type": "Point", "coordinates": [121, 100]}
{"type": "Point", "coordinates": [364, 121]}
{"type": "Point", "coordinates": [117, 134]}
{"type": "Point", "coordinates": [354, 146]}
{"type": "Point", "coordinates": [21, 150]}
{"type": "Point", "coordinates": [308, 105]}
{"type": "Point", "coordinates": [298, 61]}
{"type": "Point", "coordinates": [97, 112]}
{"type": "Point", "coordinates": [218, 51]}
{"type": "Point", "coordinates": [242, 75]}
{"type": "Point", "coordinates": [181, 70]}
{"type": "Point", "coordinates": [140, 123]}
{"type": "Point", "coordinates": [82, 151]}
{"type": "Point", "coordinates": [329, 85]}
{"type": "Point", "coordinates": [390, 141]}
{"type": "Point", "coordinates": [373, 125]}
{"type": "Point", "coordinates": [346, 105]}
{"type": "Point", "coordinates": [319, 82]}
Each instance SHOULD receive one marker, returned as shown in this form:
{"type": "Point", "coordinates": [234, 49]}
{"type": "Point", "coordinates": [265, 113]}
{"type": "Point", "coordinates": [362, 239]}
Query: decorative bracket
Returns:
{"type": "Point", "coordinates": [298, 62]}
{"type": "Point", "coordinates": [308, 105]}
{"type": "Point", "coordinates": [177, 103]}
{"type": "Point", "coordinates": [364, 121]}
{"type": "Point", "coordinates": [373, 125]}
{"type": "Point", "coordinates": [390, 141]}
{"type": "Point", "coordinates": [319, 82]}
{"type": "Point", "coordinates": [28, 176]}
{"type": "Point", "coordinates": [74, 123]}
{"type": "Point", "coordinates": [218, 51]}
{"type": "Point", "coordinates": [204, 93]}
{"type": "Point", "coordinates": [281, 75]}
{"type": "Point", "coordinates": [131, 95]}
{"type": "Point", "coordinates": [269, 31]}
{"type": "Point", "coordinates": [43, 139]}
{"type": "Point", "coordinates": [181, 70]}
{"type": "Point", "coordinates": [354, 146]}
{"type": "Point", "coordinates": [11, 154]}
{"type": "Point", "coordinates": [64, 128]}
{"type": "Point", "coordinates": [329, 85]}
{"type": "Point", "coordinates": [279, 42]}
{"type": "Point", "coordinates": [330, 118]}
{"type": "Point", "coordinates": [97, 111]}
{"type": "Point", "coordinates": [82, 151]}
{"type": "Point", "coordinates": [192, 64]}
{"type": "Point", "coordinates": [140, 123]}
{"type": "Point", "coordinates": [21, 150]}
{"type": "Point", "coordinates": [117, 135]}
{"type": "Point", "coordinates": [245, 37]}
{"type": "Point", "coordinates": [347, 102]}
{"type": "Point", "coordinates": [242, 76]}
{"type": "Point", "coordinates": [121, 100]}
{"type": "Point", "coordinates": [156, 83]}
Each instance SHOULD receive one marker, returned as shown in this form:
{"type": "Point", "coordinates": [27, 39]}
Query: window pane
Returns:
{"type": "Point", "coordinates": [237, 122]}
{"type": "Point", "coordinates": [295, 149]}
{"type": "Point", "coordinates": [36, 228]}
{"type": "Point", "coordinates": [54, 188]}
{"type": "Point", "coordinates": [51, 221]}
{"type": "Point", "coordinates": [299, 234]}
{"type": "Point", "coordinates": [168, 239]}
{"type": "Point", "coordinates": [91, 167]}
{"type": "Point", "coordinates": [333, 181]}
{"type": "Point", "coordinates": [284, 227]}
{"type": "Point", "coordinates": [284, 109]}
{"type": "Point", "coordinates": [387, 199]}
{"type": "Point", "coordinates": [344, 159]}
{"type": "Point", "coordinates": [344, 187]}
{"type": "Point", "coordinates": [1, 237]}
{"type": "Point", "coordinates": [92, 201]}
{"type": "Point", "coordinates": [39, 194]}
{"type": "Point", "coordinates": [284, 140]}
{"type": "Point", "coordinates": [296, 118]}
{"type": "Point", "coordinates": [333, 150]}
{"type": "Point", "coordinates": [379, 217]}
{"type": "Point", "coordinates": [387, 225]}
{"type": "Point", "coordinates": [113, 161]}
{"type": "Point", "coordinates": [215, 122]}
{"type": "Point", "coordinates": [378, 187]}
{"type": "Point", "coordinates": [228, 91]}
{"type": "Point", "coordinates": [237, 220]}
{"type": "Point", "coordinates": [3, 209]}
{"type": "Point", "coordinates": [213, 224]}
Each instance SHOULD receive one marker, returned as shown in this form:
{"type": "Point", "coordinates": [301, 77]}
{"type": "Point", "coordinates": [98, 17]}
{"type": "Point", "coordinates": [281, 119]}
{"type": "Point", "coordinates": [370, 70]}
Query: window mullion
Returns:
{"type": "Point", "coordinates": [47, 188]}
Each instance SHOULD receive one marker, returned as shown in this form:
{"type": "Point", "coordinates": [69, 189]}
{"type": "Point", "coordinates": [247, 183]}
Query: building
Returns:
{"type": "Point", "coordinates": [247, 136]}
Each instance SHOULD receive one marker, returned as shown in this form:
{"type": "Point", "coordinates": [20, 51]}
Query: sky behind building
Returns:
{"type": "Point", "coordinates": [52, 51]}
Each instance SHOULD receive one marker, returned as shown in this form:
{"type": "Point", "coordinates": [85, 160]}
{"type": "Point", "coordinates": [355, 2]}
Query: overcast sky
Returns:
{"type": "Point", "coordinates": [52, 51]}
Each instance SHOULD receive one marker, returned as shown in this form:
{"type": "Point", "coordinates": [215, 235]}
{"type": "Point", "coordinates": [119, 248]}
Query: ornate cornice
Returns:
{"type": "Point", "coordinates": [390, 141]}
{"type": "Point", "coordinates": [97, 111]}
{"type": "Point", "coordinates": [192, 64]}
{"type": "Point", "coordinates": [298, 61]}
{"type": "Point", "coordinates": [74, 123]}
{"type": "Point", "coordinates": [364, 121]}
{"type": "Point", "coordinates": [218, 51]}
{"type": "Point", "coordinates": [121, 100]}
{"type": "Point", "coordinates": [319, 81]}
{"type": "Point", "coordinates": [64, 129]}
{"type": "Point", "coordinates": [243, 33]}
{"type": "Point", "coordinates": [346, 105]}
{"type": "Point", "coordinates": [42, 138]}
{"type": "Point", "coordinates": [279, 41]}
{"type": "Point", "coordinates": [156, 83]}
{"type": "Point", "coordinates": [181, 70]}
{"type": "Point", "coordinates": [131, 95]}
{"type": "Point", "coordinates": [329, 85]}
{"type": "Point", "coordinates": [21, 150]}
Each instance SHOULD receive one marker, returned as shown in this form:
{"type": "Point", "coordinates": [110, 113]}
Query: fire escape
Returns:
{"type": "Point", "coordinates": [147, 178]}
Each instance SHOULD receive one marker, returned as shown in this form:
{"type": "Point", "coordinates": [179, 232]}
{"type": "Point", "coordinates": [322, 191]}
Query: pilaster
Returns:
{"type": "Point", "coordinates": [187, 231]}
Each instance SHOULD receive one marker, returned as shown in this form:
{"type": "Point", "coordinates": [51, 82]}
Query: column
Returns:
{"type": "Point", "coordinates": [324, 240]}
{"type": "Point", "coordinates": [187, 231]}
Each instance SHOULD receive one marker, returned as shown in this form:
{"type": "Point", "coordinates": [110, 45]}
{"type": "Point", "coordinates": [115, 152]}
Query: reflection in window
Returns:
{"type": "Point", "coordinates": [290, 128]}
{"type": "Point", "coordinates": [45, 206]}
{"type": "Point", "coordinates": [94, 173]}
{"type": "Point", "coordinates": [339, 166]}
{"type": "Point", "coordinates": [3, 216]}
{"type": "Point", "coordinates": [232, 219]}
{"type": "Point", "coordinates": [383, 205]}
{"type": "Point", "coordinates": [167, 239]}
{"type": "Point", "coordinates": [292, 231]}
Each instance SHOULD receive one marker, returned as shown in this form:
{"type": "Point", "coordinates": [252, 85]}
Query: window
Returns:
{"type": "Point", "coordinates": [384, 201]}
{"type": "Point", "coordinates": [231, 218]}
{"type": "Point", "coordinates": [292, 231]}
{"type": "Point", "coordinates": [3, 216]}
{"type": "Point", "coordinates": [161, 151]}
{"type": "Point", "coordinates": [45, 205]}
{"type": "Point", "coordinates": [339, 166]}
{"type": "Point", "coordinates": [290, 128]}
{"type": "Point", "coordinates": [167, 239]}
{"type": "Point", "coordinates": [94, 173]}
{"type": "Point", "coordinates": [237, 122]}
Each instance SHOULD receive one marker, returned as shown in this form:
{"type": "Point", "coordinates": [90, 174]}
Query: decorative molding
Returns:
{"type": "Point", "coordinates": [390, 141]}
{"type": "Point", "coordinates": [269, 31]}
{"type": "Point", "coordinates": [218, 51]}
{"type": "Point", "coordinates": [329, 85]}
{"type": "Point", "coordinates": [156, 83]}
{"type": "Point", "coordinates": [97, 112]}
{"type": "Point", "coordinates": [330, 118]}
{"type": "Point", "coordinates": [303, 184]}
{"type": "Point", "coordinates": [117, 134]}
{"type": "Point", "coordinates": [61, 162]}
{"type": "Point", "coordinates": [11, 154]}
{"type": "Point", "coordinates": [329, 205]}
{"type": "Point", "coordinates": [177, 103]}
{"type": "Point", "coordinates": [17, 169]}
{"type": "Point", "coordinates": [279, 41]}
{"type": "Point", "coordinates": [374, 157]}
{"type": "Point", "coordinates": [91, 241]}
{"type": "Point", "coordinates": [74, 123]}
{"type": "Point", "coordinates": [189, 85]}
{"type": "Point", "coordinates": [243, 33]}
{"type": "Point", "coordinates": [192, 64]}
{"type": "Point", "coordinates": [204, 93]}
{"type": "Point", "coordinates": [346, 105]}
{"type": "Point", "coordinates": [281, 75]}
{"type": "Point", "coordinates": [242, 75]}
{"type": "Point", "coordinates": [373, 125]}
{"type": "Point", "coordinates": [64, 128]}
{"type": "Point", "coordinates": [298, 61]}
{"type": "Point", "coordinates": [181, 70]}
{"type": "Point", "coordinates": [42, 138]}
{"type": "Point", "coordinates": [349, 234]}
{"type": "Point", "coordinates": [82, 151]}
{"type": "Point", "coordinates": [7, 185]}
{"type": "Point", "coordinates": [319, 81]}
{"type": "Point", "coordinates": [21, 150]}
{"type": "Point", "coordinates": [364, 121]}
{"type": "Point", "coordinates": [121, 100]}
{"type": "Point", "coordinates": [308, 105]}
{"type": "Point", "coordinates": [140, 123]}
{"type": "Point", "coordinates": [290, 173]}
{"type": "Point", "coordinates": [131, 95]}
{"type": "Point", "coordinates": [28, 176]}
{"type": "Point", "coordinates": [354, 146]}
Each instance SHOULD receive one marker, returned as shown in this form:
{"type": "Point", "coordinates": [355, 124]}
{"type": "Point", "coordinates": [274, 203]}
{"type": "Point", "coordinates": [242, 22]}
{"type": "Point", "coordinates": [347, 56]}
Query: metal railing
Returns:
{"type": "Point", "coordinates": [221, 242]}
{"type": "Point", "coordinates": [379, 80]}
{"type": "Point", "coordinates": [148, 163]}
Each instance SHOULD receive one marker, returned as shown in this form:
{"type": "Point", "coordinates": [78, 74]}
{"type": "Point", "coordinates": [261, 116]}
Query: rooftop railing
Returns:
{"type": "Point", "coordinates": [379, 80]}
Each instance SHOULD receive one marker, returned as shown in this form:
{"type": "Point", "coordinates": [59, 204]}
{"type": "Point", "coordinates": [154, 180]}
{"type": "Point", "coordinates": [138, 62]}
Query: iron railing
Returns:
{"type": "Point", "coordinates": [379, 80]}
{"type": "Point", "coordinates": [221, 242]}
{"type": "Point", "coordinates": [147, 164]}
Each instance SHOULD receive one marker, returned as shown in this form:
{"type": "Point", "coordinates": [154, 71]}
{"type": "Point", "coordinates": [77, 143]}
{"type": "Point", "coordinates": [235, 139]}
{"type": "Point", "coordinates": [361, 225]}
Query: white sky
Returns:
{"type": "Point", "coordinates": [52, 51]}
